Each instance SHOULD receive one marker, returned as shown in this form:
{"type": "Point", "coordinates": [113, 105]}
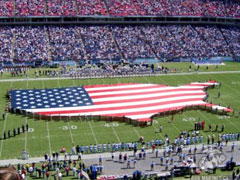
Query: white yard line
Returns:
{"type": "Point", "coordinates": [4, 128]}
{"type": "Point", "coordinates": [116, 134]}
{"type": "Point", "coordinates": [26, 133]}
{"type": "Point", "coordinates": [70, 131]}
{"type": "Point", "coordinates": [48, 132]}
{"type": "Point", "coordinates": [94, 136]}
{"type": "Point", "coordinates": [157, 130]}
{"type": "Point", "coordinates": [114, 131]}
{"type": "Point", "coordinates": [135, 130]}
{"type": "Point", "coordinates": [69, 126]}
{"type": "Point", "coordinates": [49, 141]}
{"type": "Point", "coordinates": [89, 123]}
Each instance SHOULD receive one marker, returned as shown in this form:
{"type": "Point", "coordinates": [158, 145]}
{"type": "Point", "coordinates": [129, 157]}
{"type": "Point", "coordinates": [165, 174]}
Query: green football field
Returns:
{"type": "Point", "coordinates": [48, 136]}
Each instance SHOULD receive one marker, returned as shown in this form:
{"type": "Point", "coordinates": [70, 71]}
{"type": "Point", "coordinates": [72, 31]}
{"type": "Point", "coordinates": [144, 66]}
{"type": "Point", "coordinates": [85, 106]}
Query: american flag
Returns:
{"type": "Point", "coordinates": [131, 100]}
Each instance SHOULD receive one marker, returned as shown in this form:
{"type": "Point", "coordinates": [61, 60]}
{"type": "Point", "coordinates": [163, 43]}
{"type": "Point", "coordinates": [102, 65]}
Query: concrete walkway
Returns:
{"type": "Point", "coordinates": [103, 155]}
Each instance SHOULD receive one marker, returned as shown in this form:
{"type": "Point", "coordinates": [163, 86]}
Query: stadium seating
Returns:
{"type": "Point", "coordinates": [99, 43]}
{"type": "Point", "coordinates": [65, 43]}
{"type": "Point", "coordinates": [6, 8]}
{"type": "Point", "coordinates": [213, 8]}
{"type": "Point", "coordinates": [30, 7]}
{"type": "Point", "coordinates": [232, 36]}
{"type": "Point", "coordinates": [91, 7]}
{"type": "Point", "coordinates": [76, 43]}
{"type": "Point", "coordinates": [61, 8]}
{"type": "Point", "coordinates": [132, 42]}
{"type": "Point", "coordinates": [31, 44]}
{"type": "Point", "coordinates": [6, 39]}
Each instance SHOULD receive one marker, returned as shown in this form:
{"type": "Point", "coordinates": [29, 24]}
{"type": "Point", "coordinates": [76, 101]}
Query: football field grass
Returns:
{"type": "Point", "coordinates": [48, 136]}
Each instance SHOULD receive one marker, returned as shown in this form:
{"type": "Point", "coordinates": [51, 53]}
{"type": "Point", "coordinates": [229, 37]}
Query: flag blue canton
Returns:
{"type": "Point", "coordinates": [50, 98]}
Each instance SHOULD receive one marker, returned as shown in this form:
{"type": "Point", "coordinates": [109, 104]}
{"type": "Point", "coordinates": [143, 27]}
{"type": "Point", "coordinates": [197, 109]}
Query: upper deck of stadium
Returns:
{"type": "Point", "coordinates": [198, 8]}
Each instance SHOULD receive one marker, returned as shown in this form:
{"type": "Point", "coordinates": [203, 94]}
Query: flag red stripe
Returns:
{"type": "Point", "coordinates": [147, 98]}
{"type": "Point", "coordinates": [140, 93]}
{"type": "Point", "coordinates": [109, 85]}
{"type": "Point", "coordinates": [125, 89]}
{"type": "Point", "coordinates": [119, 108]}
{"type": "Point", "coordinates": [155, 111]}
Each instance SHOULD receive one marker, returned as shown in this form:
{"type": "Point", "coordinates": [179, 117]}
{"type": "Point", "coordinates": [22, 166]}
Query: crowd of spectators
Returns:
{"type": "Point", "coordinates": [31, 44]}
{"type": "Point", "coordinates": [125, 42]}
{"type": "Point", "coordinates": [91, 7]}
{"type": "Point", "coordinates": [213, 8]}
{"type": "Point", "coordinates": [232, 36]}
{"type": "Point", "coordinates": [99, 43]}
{"type": "Point", "coordinates": [65, 43]}
{"type": "Point", "coordinates": [61, 8]}
{"type": "Point", "coordinates": [148, 7]}
{"type": "Point", "coordinates": [6, 38]}
{"type": "Point", "coordinates": [6, 8]}
{"type": "Point", "coordinates": [121, 8]}
{"type": "Point", "coordinates": [30, 7]}
{"type": "Point", "coordinates": [233, 8]}
{"type": "Point", "coordinates": [132, 42]}
{"type": "Point", "coordinates": [217, 44]}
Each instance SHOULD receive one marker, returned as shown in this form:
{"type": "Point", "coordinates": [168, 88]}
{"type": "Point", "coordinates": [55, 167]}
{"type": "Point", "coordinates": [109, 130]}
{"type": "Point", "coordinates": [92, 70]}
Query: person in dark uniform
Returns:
{"type": "Point", "coordinates": [3, 116]}
{"type": "Point", "coordinates": [23, 128]}
{"type": "Point", "coordinates": [14, 132]}
{"type": "Point", "coordinates": [216, 129]}
{"type": "Point", "coordinates": [27, 127]}
{"type": "Point", "coordinates": [223, 127]}
{"type": "Point", "coordinates": [19, 131]}
{"type": "Point", "coordinates": [9, 134]}
{"type": "Point", "coordinates": [4, 135]}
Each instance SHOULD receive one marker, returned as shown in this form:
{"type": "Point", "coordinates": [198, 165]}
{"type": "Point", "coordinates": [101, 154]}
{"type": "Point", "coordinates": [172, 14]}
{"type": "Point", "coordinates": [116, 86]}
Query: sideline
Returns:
{"type": "Point", "coordinates": [97, 155]}
{"type": "Point", "coordinates": [120, 76]}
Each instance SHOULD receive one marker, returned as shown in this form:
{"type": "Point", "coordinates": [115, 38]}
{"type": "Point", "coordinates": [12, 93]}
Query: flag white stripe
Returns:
{"type": "Point", "coordinates": [109, 87]}
{"type": "Point", "coordinates": [134, 110]}
{"type": "Point", "coordinates": [180, 93]}
{"type": "Point", "coordinates": [132, 91]}
{"type": "Point", "coordinates": [116, 104]}
{"type": "Point", "coordinates": [140, 90]}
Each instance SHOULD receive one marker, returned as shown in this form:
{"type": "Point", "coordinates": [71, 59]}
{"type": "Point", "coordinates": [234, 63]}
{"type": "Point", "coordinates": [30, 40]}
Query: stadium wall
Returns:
{"type": "Point", "coordinates": [57, 20]}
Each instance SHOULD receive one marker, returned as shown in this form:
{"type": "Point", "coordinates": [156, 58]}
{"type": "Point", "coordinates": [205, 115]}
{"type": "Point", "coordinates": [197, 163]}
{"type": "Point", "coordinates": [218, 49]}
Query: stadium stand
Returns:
{"type": "Point", "coordinates": [65, 43]}
{"type": "Point", "coordinates": [132, 42]}
{"type": "Point", "coordinates": [211, 8]}
{"type": "Point", "coordinates": [6, 8]}
{"type": "Point", "coordinates": [31, 44]}
{"type": "Point", "coordinates": [30, 7]}
{"type": "Point", "coordinates": [114, 42]}
{"type": "Point", "coordinates": [99, 43]}
{"type": "Point", "coordinates": [6, 41]}
{"type": "Point", "coordinates": [61, 8]}
{"type": "Point", "coordinates": [91, 7]}
{"type": "Point", "coordinates": [121, 8]}
{"type": "Point", "coordinates": [232, 36]}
